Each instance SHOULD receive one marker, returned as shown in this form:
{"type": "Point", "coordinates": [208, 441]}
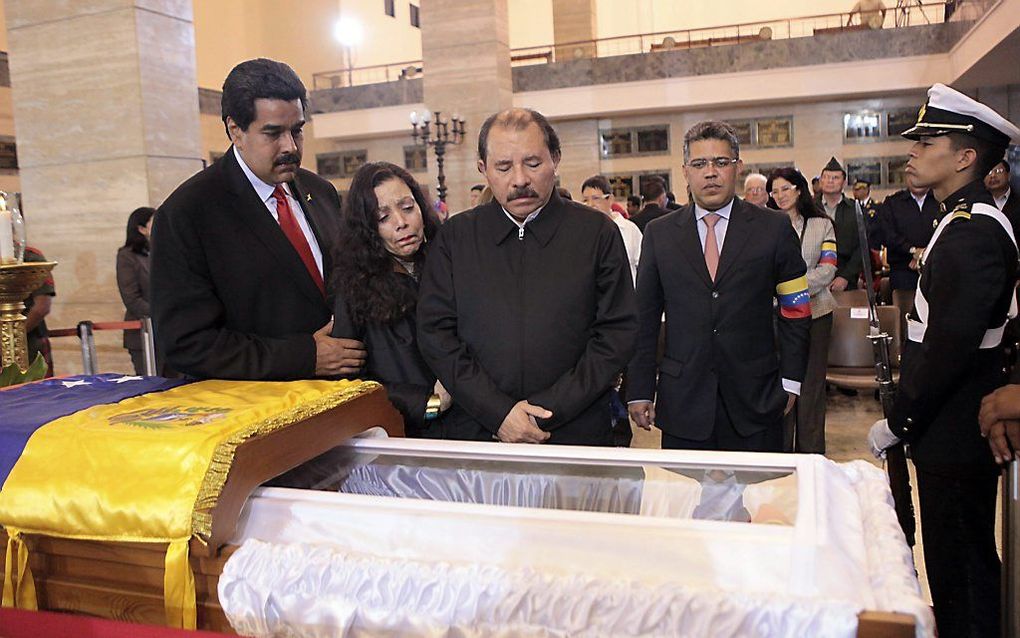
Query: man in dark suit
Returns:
{"type": "Point", "coordinates": [655, 203]}
{"type": "Point", "coordinates": [843, 214]}
{"type": "Point", "coordinates": [526, 312]}
{"type": "Point", "coordinates": [241, 251]}
{"type": "Point", "coordinates": [1005, 199]}
{"type": "Point", "coordinates": [953, 357]}
{"type": "Point", "coordinates": [908, 219]}
{"type": "Point", "coordinates": [716, 268]}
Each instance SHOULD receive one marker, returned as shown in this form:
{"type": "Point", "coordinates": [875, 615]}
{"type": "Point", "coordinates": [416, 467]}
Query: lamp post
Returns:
{"type": "Point", "coordinates": [438, 134]}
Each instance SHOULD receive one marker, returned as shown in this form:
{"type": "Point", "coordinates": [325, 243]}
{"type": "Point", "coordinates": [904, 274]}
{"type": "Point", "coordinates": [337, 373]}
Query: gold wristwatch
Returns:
{"type": "Point", "coordinates": [432, 407]}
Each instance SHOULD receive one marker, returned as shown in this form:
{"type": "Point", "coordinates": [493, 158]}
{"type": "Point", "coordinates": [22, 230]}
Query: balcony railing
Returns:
{"type": "Point", "coordinates": [892, 18]}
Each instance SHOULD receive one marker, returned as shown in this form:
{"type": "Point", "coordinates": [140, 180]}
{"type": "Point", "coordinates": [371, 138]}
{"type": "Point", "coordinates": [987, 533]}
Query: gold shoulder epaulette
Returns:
{"type": "Point", "coordinates": [961, 211]}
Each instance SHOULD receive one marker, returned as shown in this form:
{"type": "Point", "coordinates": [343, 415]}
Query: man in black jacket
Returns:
{"type": "Point", "coordinates": [654, 196]}
{"type": "Point", "coordinates": [716, 267]}
{"type": "Point", "coordinates": [908, 218]}
{"type": "Point", "coordinates": [1005, 199]}
{"type": "Point", "coordinates": [953, 357]}
{"type": "Point", "coordinates": [240, 251]}
{"type": "Point", "coordinates": [843, 214]}
{"type": "Point", "coordinates": [526, 311]}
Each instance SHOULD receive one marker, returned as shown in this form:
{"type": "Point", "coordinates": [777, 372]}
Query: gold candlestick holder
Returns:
{"type": "Point", "coordinates": [17, 281]}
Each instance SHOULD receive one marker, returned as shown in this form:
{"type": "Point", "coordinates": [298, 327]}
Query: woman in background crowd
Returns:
{"type": "Point", "coordinates": [385, 226]}
{"type": "Point", "coordinates": [805, 424]}
{"type": "Point", "coordinates": [133, 279]}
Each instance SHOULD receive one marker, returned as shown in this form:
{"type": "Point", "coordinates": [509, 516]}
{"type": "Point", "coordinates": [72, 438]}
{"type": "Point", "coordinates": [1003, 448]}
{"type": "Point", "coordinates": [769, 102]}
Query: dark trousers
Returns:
{"type": "Point", "coordinates": [958, 531]}
{"type": "Point", "coordinates": [725, 437]}
{"type": "Point", "coordinates": [804, 426]}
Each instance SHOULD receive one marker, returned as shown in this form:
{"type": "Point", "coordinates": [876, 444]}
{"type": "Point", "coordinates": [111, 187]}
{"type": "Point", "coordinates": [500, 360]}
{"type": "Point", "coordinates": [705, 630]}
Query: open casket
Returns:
{"type": "Point", "coordinates": [388, 536]}
{"type": "Point", "coordinates": [410, 537]}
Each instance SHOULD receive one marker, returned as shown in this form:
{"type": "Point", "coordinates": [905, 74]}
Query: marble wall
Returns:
{"type": "Point", "coordinates": [104, 96]}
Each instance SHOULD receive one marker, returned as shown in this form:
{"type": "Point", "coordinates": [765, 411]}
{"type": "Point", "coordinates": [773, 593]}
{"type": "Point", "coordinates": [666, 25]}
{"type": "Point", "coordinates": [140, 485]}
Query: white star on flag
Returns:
{"type": "Point", "coordinates": [74, 384]}
{"type": "Point", "coordinates": [125, 378]}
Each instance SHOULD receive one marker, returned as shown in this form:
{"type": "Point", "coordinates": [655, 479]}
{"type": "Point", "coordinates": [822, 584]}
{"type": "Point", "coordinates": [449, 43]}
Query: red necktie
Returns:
{"type": "Point", "coordinates": [290, 228]}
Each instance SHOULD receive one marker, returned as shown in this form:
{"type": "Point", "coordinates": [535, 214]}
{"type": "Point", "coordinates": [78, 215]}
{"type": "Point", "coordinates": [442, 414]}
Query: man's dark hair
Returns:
{"type": "Point", "coordinates": [254, 79]}
{"type": "Point", "coordinates": [599, 182]}
{"type": "Point", "coordinates": [711, 130]}
{"type": "Point", "coordinates": [989, 154]}
{"type": "Point", "coordinates": [518, 120]}
{"type": "Point", "coordinates": [478, 187]}
{"type": "Point", "coordinates": [634, 199]}
{"type": "Point", "coordinates": [654, 189]}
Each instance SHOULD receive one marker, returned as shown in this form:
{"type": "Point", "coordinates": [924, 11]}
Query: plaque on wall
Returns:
{"type": "Point", "coordinates": [777, 132]}
{"type": "Point", "coordinates": [743, 130]}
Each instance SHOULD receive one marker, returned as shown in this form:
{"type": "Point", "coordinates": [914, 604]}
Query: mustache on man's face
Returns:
{"type": "Point", "coordinates": [287, 158]}
{"type": "Point", "coordinates": [520, 193]}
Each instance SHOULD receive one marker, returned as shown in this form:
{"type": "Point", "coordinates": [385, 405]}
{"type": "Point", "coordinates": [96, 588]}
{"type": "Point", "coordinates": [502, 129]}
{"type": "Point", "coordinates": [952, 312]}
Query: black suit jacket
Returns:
{"type": "Point", "coordinates": [647, 214]}
{"type": "Point", "coordinates": [546, 315]}
{"type": "Point", "coordinates": [231, 298]}
{"type": "Point", "coordinates": [967, 278]}
{"type": "Point", "coordinates": [905, 226]}
{"type": "Point", "coordinates": [720, 340]}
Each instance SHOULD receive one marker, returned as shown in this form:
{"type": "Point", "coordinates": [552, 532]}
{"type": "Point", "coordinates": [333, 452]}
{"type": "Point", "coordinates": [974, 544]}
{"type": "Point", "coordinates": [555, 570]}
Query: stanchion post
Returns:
{"type": "Point", "coordinates": [1011, 550]}
{"type": "Point", "coordinates": [88, 347]}
{"type": "Point", "coordinates": [148, 347]}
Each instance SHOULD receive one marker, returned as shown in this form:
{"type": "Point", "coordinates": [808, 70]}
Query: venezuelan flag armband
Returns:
{"type": "Point", "coordinates": [828, 255]}
{"type": "Point", "coordinates": [794, 300]}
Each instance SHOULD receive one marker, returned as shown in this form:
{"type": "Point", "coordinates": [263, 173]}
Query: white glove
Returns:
{"type": "Point", "coordinates": [881, 437]}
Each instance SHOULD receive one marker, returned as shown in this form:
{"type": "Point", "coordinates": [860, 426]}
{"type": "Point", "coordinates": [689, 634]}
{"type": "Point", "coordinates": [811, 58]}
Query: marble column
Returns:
{"type": "Point", "coordinates": [573, 29]}
{"type": "Point", "coordinates": [106, 115]}
{"type": "Point", "coordinates": [466, 60]}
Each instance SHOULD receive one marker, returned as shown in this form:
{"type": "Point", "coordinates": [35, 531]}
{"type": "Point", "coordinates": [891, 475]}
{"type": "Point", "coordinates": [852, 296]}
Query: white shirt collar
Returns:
{"type": "Point", "coordinates": [919, 200]}
{"type": "Point", "coordinates": [527, 219]}
{"type": "Point", "coordinates": [1001, 201]}
{"type": "Point", "coordinates": [264, 190]}
{"type": "Point", "coordinates": [723, 212]}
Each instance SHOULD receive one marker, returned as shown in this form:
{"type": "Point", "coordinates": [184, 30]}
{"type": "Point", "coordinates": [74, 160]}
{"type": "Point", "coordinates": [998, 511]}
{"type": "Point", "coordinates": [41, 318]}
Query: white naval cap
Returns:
{"type": "Point", "coordinates": [949, 111]}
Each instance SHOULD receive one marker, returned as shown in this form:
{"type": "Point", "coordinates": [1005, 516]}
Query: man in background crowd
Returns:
{"type": "Point", "coordinates": [997, 183]}
{"type": "Point", "coordinates": [654, 196]}
{"type": "Point", "coordinates": [633, 206]}
{"type": "Point", "coordinates": [754, 189]}
{"type": "Point", "coordinates": [843, 214]}
{"type": "Point", "coordinates": [476, 192]}
{"type": "Point", "coordinates": [908, 219]}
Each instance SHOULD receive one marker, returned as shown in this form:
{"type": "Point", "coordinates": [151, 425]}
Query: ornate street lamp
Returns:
{"type": "Point", "coordinates": [437, 133]}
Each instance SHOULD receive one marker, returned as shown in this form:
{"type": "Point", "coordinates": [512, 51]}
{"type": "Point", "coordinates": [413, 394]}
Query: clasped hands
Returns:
{"type": "Point", "coordinates": [520, 426]}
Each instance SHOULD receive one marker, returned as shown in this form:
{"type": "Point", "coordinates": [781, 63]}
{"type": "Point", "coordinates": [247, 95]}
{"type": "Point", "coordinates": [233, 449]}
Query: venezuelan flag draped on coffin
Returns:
{"type": "Point", "coordinates": [133, 459]}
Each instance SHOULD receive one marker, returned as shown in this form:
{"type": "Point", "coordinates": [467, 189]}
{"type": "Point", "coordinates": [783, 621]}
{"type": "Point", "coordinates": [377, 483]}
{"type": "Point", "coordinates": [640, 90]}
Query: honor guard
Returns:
{"type": "Point", "coordinates": [952, 357]}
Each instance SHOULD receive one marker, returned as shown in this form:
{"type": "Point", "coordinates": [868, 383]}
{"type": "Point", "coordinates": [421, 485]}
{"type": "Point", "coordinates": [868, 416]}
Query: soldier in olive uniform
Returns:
{"type": "Point", "coordinates": [952, 357]}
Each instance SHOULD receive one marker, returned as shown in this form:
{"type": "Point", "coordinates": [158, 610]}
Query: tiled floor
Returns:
{"type": "Point", "coordinates": [846, 431]}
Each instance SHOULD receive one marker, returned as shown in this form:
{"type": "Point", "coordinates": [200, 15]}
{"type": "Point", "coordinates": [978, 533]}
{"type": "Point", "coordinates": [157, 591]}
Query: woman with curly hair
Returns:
{"type": "Point", "coordinates": [804, 426]}
{"type": "Point", "coordinates": [385, 226]}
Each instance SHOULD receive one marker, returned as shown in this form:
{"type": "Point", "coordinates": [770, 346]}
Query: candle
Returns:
{"type": "Point", "coordinates": [6, 238]}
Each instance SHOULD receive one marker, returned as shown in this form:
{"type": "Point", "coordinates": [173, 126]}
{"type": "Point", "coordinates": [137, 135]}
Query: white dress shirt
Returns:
{"type": "Point", "coordinates": [631, 241]}
{"type": "Point", "coordinates": [265, 193]}
{"type": "Point", "coordinates": [919, 200]}
{"type": "Point", "coordinates": [1001, 201]}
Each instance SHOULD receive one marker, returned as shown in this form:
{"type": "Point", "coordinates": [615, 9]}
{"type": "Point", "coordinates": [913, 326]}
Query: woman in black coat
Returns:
{"type": "Point", "coordinates": [386, 223]}
{"type": "Point", "coordinates": [133, 279]}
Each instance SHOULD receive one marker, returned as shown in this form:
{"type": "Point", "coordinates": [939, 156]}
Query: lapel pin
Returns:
{"type": "Point", "coordinates": [308, 197]}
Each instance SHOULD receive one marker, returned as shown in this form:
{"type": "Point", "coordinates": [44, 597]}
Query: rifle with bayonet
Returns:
{"type": "Point", "coordinates": [895, 456]}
